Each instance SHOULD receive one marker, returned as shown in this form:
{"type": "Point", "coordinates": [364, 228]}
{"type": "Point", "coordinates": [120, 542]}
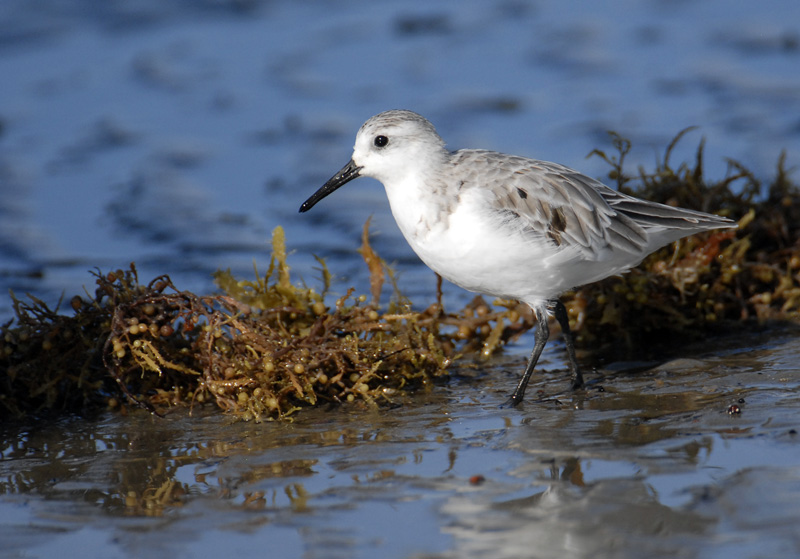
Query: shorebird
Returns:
{"type": "Point", "coordinates": [506, 225]}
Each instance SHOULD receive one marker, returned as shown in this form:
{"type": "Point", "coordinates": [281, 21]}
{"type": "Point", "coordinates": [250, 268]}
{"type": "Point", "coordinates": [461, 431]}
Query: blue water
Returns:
{"type": "Point", "coordinates": [179, 134]}
{"type": "Point", "coordinates": [448, 474]}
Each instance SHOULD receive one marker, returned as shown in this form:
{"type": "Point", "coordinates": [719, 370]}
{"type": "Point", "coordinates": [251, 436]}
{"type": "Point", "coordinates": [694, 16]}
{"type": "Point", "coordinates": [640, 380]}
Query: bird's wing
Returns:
{"type": "Point", "coordinates": [556, 203]}
{"type": "Point", "coordinates": [654, 216]}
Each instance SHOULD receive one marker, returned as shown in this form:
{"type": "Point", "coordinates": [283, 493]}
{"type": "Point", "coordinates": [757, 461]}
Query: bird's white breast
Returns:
{"type": "Point", "coordinates": [459, 238]}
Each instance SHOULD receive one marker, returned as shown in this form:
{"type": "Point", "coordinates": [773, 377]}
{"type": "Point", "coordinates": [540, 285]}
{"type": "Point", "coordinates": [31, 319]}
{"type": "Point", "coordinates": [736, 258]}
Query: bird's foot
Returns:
{"type": "Point", "coordinates": [512, 402]}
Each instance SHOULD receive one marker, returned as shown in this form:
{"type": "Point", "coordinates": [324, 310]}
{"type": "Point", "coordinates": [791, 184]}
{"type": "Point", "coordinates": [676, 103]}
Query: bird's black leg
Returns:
{"type": "Point", "coordinates": [561, 315]}
{"type": "Point", "coordinates": [540, 336]}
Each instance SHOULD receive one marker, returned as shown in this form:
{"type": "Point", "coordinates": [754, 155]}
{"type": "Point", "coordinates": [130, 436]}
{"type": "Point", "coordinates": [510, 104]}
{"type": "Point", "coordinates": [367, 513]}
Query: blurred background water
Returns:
{"type": "Point", "coordinates": [178, 134]}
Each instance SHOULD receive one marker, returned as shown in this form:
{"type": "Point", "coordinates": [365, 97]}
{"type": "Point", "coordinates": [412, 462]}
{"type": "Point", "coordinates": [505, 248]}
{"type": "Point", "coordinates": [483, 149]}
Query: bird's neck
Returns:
{"type": "Point", "coordinates": [419, 203]}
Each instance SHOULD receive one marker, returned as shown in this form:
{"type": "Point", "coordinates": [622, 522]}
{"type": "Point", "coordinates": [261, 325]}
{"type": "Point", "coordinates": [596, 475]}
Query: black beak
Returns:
{"type": "Point", "coordinates": [345, 175]}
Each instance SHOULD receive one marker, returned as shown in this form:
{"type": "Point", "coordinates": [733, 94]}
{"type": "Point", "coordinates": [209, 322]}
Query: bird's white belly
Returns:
{"type": "Point", "coordinates": [473, 247]}
{"type": "Point", "coordinates": [469, 249]}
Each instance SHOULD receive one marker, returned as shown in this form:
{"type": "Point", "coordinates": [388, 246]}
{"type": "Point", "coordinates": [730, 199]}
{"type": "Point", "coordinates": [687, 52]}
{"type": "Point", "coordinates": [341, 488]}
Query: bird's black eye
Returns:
{"type": "Point", "coordinates": [381, 141]}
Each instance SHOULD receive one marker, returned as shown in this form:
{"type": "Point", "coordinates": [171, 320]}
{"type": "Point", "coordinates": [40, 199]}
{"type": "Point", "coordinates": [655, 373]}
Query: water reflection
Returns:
{"type": "Point", "coordinates": [648, 466]}
{"type": "Point", "coordinates": [553, 522]}
{"type": "Point", "coordinates": [142, 465]}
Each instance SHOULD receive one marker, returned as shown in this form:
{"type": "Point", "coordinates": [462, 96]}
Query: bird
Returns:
{"type": "Point", "coordinates": [509, 226]}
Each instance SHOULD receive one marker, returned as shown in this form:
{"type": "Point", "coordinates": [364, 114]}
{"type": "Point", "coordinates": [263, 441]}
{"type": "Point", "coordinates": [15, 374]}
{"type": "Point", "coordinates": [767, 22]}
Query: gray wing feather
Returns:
{"type": "Point", "coordinates": [553, 202]}
{"type": "Point", "coordinates": [569, 209]}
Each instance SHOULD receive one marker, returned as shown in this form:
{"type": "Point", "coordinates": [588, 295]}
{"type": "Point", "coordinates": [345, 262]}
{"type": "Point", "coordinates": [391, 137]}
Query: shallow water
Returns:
{"type": "Point", "coordinates": [179, 134]}
{"type": "Point", "coordinates": [652, 464]}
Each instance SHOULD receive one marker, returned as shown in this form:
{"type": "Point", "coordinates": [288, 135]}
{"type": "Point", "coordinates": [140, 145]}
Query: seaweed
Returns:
{"type": "Point", "coordinates": [267, 347]}
{"type": "Point", "coordinates": [263, 349]}
{"type": "Point", "coordinates": [705, 284]}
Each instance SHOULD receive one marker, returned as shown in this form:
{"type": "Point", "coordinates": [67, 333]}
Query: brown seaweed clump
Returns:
{"type": "Point", "coordinates": [704, 284]}
{"type": "Point", "coordinates": [262, 350]}
{"type": "Point", "coordinates": [266, 348]}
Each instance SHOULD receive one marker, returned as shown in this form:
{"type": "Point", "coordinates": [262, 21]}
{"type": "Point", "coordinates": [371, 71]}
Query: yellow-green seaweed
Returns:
{"type": "Point", "coordinates": [267, 347]}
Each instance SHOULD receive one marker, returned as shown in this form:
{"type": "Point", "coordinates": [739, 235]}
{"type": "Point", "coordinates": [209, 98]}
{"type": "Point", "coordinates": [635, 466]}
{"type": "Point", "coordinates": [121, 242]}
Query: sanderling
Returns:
{"type": "Point", "coordinates": [509, 226]}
